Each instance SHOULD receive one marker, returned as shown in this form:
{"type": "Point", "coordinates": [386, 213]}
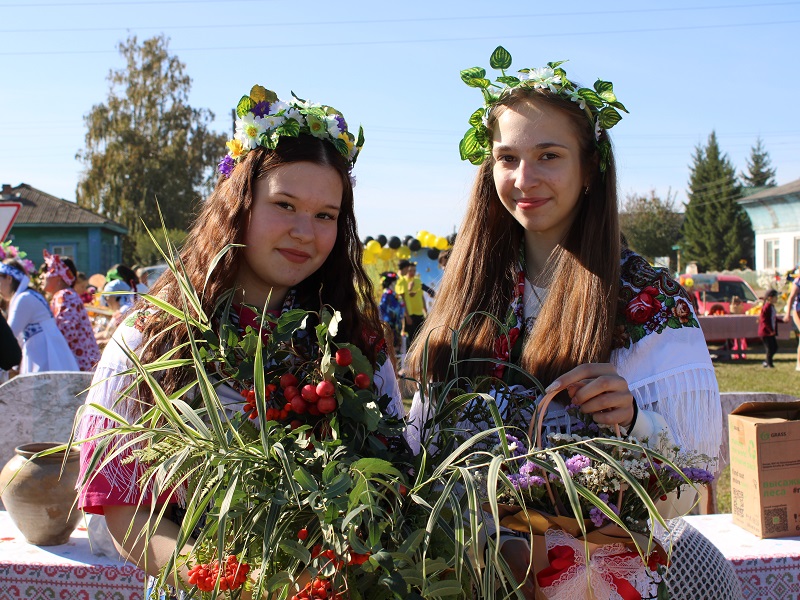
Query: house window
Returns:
{"type": "Point", "coordinates": [772, 254]}
{"type": "Point", "coordinates": [63, 250]}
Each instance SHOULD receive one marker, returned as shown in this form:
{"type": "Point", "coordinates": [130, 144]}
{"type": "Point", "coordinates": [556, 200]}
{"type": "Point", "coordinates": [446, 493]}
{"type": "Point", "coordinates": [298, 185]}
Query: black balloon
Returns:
{"type": "Point", "coordinates": [381, 239]}
{"type": "Point", "coordinates": [414, 245]}
{"type": "Point", "coordinates": [407, 239]}
{"type": "Point", "coordinates": [394, 242]}
{"type": "Point", "coordinates": [451, 238]}
{"type": "Point", "coordinates": [433, 253]}
{"type": "Point", "coordinates": [368, 239]}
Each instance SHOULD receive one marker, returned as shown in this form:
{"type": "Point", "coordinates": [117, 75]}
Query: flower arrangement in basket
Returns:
{"type": "Point", "coordinates": [589, 503]}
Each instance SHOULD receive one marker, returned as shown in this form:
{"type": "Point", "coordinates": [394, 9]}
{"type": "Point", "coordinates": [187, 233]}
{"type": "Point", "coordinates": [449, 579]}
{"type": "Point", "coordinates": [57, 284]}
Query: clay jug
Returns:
{"type": "Point", "coordinates": [41, 499]}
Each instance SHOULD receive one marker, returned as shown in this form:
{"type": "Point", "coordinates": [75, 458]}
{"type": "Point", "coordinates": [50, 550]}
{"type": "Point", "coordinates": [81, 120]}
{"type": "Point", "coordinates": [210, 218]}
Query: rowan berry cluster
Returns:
{"type": "Point", "coordinates": [317, 589]}
{"type": "Point", "coordinates": [231, 575]}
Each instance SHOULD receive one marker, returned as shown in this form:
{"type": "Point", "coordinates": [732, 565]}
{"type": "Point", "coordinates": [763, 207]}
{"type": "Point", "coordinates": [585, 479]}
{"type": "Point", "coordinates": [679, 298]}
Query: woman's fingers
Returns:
{"type": "Point", "coordinates": [600, 391]}
{"type": "Point", "coordinates": [581, 372]}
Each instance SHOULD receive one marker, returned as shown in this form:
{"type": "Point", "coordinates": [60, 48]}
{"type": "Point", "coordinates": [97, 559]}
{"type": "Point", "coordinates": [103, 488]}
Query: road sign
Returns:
{"type": "Point", "coordinates": [8, 214]}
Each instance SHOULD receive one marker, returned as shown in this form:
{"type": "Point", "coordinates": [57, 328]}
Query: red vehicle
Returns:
{"type": "Point", "coordinates": [714, 292]}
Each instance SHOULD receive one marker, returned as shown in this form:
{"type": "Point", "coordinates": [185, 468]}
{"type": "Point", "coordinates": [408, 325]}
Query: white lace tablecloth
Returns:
{"type": "Point", "coordinates": [69, 571]}
{"type": "Point", "coordinates": [767, 569]}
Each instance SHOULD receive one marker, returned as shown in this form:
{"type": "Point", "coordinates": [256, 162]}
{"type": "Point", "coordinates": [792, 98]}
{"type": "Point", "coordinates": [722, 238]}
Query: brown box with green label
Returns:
{"type": "Point", "coordinates": [765, 467]}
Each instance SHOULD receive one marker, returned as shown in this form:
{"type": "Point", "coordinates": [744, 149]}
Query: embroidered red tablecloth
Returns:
{"type": "Point", "coordinates": [65, 572]}
{"type": "Point", "coordinates": [767, 569]}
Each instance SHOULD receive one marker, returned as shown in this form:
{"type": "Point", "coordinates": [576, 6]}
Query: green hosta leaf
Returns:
{"type": "Point", "coordinates": [269, 140]}
{"type": "Point", "coordinates": [469, 75]}
{"type": "Point", "coordinates": [482, 137]}
{"type": "Point", "coordinates": [604, 148]}
{"type": "Point", "coordinates": [341, 146]}
{"type": "Point", "coordinates": [290, 127]}
{"type": "Point", "coordinates": [591, 98]}
{"type": "Point", "coordinates": [609, 117]}
{"type": "Point", "coordinates": [509, 80]}
{"type": "Point", "coordinates": [244, 106]}
{"type": "Point", "coordinates": [500, 58]}
{"type": "Point", "coordinates": [469, 145]}
{"type": "Point", "coordinates": [360, 138]}
{"type": "Point", "coordinates": [605, 89]}
{"type": "Point", "coordinates": [619, 105]}
{"type": "Point", "coordinates": [476, 118]}
{"type": "Point", "coordinates": [316, 111]}
{"type": "Point", "coordinates": [556, 63]}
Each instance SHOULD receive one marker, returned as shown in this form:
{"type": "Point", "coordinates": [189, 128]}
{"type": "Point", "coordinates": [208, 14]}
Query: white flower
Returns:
{"type": "Point", "coordinates": [597, 129]}
{"type": "Point", "coordinates": [332, 124]}
{"type": "Point", "coordinates": [274, 121]}
{"type": "Point", "coordinates": [277, 107]}
{"type": "Point", "coordinates": [293, 113]}
{"type": "Point", "coordinates": [248, 130]}
{"type": "Point", "coordinates": [575, 97]}
{"type": "Point", "coordinates": [544, 77]}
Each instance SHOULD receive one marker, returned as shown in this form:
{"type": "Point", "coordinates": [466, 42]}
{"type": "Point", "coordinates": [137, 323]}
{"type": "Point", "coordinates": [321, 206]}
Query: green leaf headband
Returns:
{"type": "Point", "coordinates": [599, 103]}
{"type": "Point", "coordinates": [262, 120]}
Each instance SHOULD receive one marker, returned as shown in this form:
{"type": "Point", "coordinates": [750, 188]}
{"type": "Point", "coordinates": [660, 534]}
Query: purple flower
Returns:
{"type": "Point", "coordinates": [528, 468]}
{"type": "Point", "coordinates": [519, 448]}
{"type": "Point", "coordinates": [577, 463]}
{"type": "Point", "coordinates": [524, 482]}
{"type": "Point", "coordinates": [226, 166]}
{"type": "Point", "coordinates": [597, 516]}
{"type": "Point", "coordinates": [693, 474]}
{"type": "Point", "coordinates": [341, 122]}
{"type": "Point", "coordinates": [261, 109]}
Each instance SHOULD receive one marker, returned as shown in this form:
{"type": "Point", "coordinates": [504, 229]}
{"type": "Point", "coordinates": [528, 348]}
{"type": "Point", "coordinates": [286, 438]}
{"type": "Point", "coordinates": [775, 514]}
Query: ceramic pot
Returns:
{"type": "Point", "coordinates": [41, 499]}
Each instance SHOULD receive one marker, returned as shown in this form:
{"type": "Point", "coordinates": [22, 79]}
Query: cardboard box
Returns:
{"type": "Point", "coordinates": [765, 467]}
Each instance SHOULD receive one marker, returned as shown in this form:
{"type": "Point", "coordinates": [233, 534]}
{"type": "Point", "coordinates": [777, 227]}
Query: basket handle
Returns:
{"type": "Point", "coordinates": [538, 421]}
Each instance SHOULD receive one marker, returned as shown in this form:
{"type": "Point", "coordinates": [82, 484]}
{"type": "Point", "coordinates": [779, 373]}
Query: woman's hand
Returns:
{"type": "Point", "coordinates": [599, 391]}
{"type": "Point", "coordinates": [786, 318]}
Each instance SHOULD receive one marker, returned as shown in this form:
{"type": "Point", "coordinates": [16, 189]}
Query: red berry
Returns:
{"type": "Point", "coordinates": [343, 357]}
{"type": "Point", "coordinates": [302, 535]}
{"type": "Point", "coordinates": [313, 410]}
{"type": "Point", "coordinates": [325, 388]}
{"type": "Point", "coordinates": [403, 490]}
{"type": "Point", "coordinates": [326, 405]}
{"type": "Point", "coordinates": [298, 405]}
{"type": "Point", "coordinates": [295, 423]}
{"type": "Point", "coordinates": [309, 393]}
{"type": "Point", "coordinates": [288, 379]}
{"type": "Point", "coordinates": [290, 392]}
{"type": "Point", "coordinates": [363, 381]}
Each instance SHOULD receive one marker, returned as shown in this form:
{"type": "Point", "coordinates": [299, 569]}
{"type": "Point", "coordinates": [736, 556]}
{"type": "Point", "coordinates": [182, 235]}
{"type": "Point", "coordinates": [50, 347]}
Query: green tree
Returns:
{"type": "Point", "coordinates": [145, 144]}
{"type": "Point", "coordinates": [651, 224]}
{"type": "Point", "coordinates": [145, 251]}
{"type": "Point", "coordinates": [759, 172]}
{"type": "Point", "coordinates": [716, 229]}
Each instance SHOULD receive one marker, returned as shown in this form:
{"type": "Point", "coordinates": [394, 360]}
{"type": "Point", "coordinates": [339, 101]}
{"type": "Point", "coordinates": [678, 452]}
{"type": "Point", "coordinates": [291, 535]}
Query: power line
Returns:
{"type": "Point", "coordinates": [604, 32]}
{"type": "Point", "coordinates": [380, 21]}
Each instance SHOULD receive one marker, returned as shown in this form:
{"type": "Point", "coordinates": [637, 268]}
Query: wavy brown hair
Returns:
{"type": "Point", "coordinates": [576, 322]}
{"type": "Point", "coordinates": [340, 282]}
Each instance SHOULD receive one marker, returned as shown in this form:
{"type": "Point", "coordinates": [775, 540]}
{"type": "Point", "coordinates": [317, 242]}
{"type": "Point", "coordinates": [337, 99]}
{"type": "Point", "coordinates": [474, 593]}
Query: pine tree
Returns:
{"type": "Point", "coordinates": [716, 229]}
{"type": "Point", "coordinates": [145, 144]}
{"type": "Point", "coordinates": [759, 173]}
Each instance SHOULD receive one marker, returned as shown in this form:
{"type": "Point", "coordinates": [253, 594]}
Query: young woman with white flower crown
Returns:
{"type": "Point", "coordinates": [285, 194]}
{"type": "Point", "coordinates": [540, 248]}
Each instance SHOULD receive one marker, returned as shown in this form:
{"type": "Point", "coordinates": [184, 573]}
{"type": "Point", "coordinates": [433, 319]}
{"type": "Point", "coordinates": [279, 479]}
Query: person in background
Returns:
{"type": "Point", "coordinates": [10, 352]}
{"type": "Point", "coordinates": [768, 328]}
{"type": "Point", "coordinates": [410, 288]}
{"type": "Point", "coordinates": [115, 298]}
{"type": "Point", "coordinates": [69, 312]}
{"type": "Point", "coordinates": [144, 285]}
{"type": "Point", "coordinates": [43, 346]}
{"type": "Point", "coordinates": [391, 308]}
{"type": "Point", "coordinates": [737, 344]}
{"type": "Point", "coordinates": [793, 313]}
{"type": "Point", "coordinates": [83, 289]}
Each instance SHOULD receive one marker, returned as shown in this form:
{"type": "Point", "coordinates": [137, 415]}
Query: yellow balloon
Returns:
{"type": "Point", "coordinates": [421, 236]}
{"type": "Point", "coordinates": [368, 258]}
{"type": "Point", "coordinates": [387, 253]}
{"type": "Point", "coordinates": [373, 247]}
{"type": "Point", "coordinates": [430, 240]}
{"type": "Point", "coordinates": [441, 243]}
{"type": "Point", "coordinates": [403, 252]}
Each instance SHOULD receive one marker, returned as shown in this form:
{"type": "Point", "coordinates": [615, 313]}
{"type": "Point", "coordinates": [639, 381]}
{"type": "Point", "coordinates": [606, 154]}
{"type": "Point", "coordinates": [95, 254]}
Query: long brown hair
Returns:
{"type": "Point", "coordinates": [340, 282]}
{"type": "Point", "coordinates": [576, 322]}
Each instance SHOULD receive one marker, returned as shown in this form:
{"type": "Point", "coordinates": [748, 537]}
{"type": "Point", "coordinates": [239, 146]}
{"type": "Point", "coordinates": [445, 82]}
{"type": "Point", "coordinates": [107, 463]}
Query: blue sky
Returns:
{"type": "Point", "coordinates": [681, 68]}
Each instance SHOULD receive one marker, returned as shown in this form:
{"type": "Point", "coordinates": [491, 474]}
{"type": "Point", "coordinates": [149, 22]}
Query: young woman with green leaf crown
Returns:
{"type": "Point", "coordinates": [539, 282]}
{"type": "Point", "coordinates": [278, 232]}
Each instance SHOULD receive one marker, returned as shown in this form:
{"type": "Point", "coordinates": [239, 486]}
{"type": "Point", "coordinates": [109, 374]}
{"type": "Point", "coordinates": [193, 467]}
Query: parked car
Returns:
{"type": "Point", "coordinates": [714, 292]}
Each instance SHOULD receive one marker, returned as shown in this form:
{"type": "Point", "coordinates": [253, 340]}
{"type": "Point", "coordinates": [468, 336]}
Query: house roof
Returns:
{"type": "Point", "coordinates": [40, 208]}
{"type": "Point", "coordinates": [792, 187]}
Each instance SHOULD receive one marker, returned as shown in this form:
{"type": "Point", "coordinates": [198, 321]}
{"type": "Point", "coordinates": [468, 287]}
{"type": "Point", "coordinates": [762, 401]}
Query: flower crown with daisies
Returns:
{"type": "Point", "coordinates": [262, 119]}
{"type": "Point", "coordinates": [600, 103]}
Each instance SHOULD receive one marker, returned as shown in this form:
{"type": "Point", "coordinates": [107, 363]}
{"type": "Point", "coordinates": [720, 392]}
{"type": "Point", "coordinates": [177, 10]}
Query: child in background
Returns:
{"type": "Point", "coordinates": [768, 328]}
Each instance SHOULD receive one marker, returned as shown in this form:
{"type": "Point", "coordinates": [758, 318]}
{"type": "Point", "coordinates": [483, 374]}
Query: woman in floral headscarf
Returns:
{"type": "Point", "coordinates": [69, 312]}
{"type": "Point", "coordinates": [43, 346]}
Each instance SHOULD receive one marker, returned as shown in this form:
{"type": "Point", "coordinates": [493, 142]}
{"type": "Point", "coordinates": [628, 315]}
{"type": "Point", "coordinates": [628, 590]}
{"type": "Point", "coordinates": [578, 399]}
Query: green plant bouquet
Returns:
{"type": "Point", "coordinates": [303, 489]}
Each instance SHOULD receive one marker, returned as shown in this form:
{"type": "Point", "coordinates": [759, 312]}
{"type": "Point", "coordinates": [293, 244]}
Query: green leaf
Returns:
{"type": "Point", "coordinates": [440, 589]}
{"type": "Point", "coordinates": [290, 127]}
{"type": "Point", "coordinates": [500, 59]}
{"type": "Point", "coordinates": [469, 75]}
{"type": "Point", "coordinates": [476, 118]}
{"type": "Point", "coordinates": [291, 320]}
{"type": "Point", "coordinates": [605, 87]}
{"type": "Point", "coordinates": [306, 481]}
{"type": "Point", "coordinates": [469, 146]}
{"type": "Point", "coordinates": [295, 549]}
{"type": "Point", "coordinates": [609, 117]}
{"type": "Point", "coordinates": [509, 80]}
{"type": "Point", "coordinates": [244, 106]}
{"type": "Point", "coordinates": [590, 97]}
{"type": "Point", "coordinates": [341, 146]}
{"type": "Point", "coordinates": [373, 466]}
